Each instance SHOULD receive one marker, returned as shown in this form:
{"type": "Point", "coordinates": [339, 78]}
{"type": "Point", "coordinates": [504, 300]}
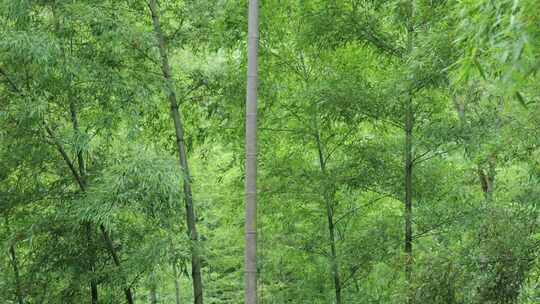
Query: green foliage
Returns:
{"type": "Point", "coordinates": [86, 142]}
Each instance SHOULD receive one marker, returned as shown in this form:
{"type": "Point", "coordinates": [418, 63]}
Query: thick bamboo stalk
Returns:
{"type": "Point", "coordinates": [251, 156]}
{"type": "Point", "coordinates": [182, 156]}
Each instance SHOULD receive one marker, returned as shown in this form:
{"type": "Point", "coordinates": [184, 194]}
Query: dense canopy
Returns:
{"type": "Point", "coordinates": [398, 151]}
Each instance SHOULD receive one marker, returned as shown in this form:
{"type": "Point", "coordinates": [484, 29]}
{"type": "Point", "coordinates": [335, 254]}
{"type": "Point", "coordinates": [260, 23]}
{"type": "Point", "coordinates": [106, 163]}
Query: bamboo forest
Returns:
{"type": "Point", "coordinates": [270, 152]}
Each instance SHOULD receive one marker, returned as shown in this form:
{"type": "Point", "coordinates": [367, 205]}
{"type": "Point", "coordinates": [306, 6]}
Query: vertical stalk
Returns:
{"type": "Point", "coordinates": [93, 283]}
{"type": "Point", "coordinates": [81, 181]}
{"type": "Point", "coordinates": [116, 260]}
{"type": "Point", "coordinates": [75, 124]}
{"type": "Point", "coordinates": [15, 265]}
{"type": "Point", "coordinates": [251, 156]}
{"type": "Point", "coordinates": [408, 166]}
{"type": "Point", "coordinates": [486, 180]}
{"type": "Point", "coordinates": [181, 148]}
{"type": "Point", "coordinates": [328, 199]}
{"type": "Point", "coordinates": [176, 283]}
{"type": "Point", "coordinates": [82, 175]}
{"type": "Point", "coordinates": [408, 196]}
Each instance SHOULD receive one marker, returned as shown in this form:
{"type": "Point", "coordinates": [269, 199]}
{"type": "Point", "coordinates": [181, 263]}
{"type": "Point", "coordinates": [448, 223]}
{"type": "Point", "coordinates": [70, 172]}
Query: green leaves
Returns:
{"type": "Point", "coordinates": [333, 70]}
{"type": "Point", "coordinates": [139, 180]}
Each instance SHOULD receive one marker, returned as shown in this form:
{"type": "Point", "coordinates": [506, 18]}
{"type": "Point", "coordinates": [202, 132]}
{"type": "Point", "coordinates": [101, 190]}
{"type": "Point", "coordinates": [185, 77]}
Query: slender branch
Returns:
{"type": "Point", "coordinates": [340, 144]}
{"type": "Point", "coordinates": [359, 207]}
{"type": "Point", "coordinates": [12, 84]}
{"type": "Point", "coordinates": [66, 158]}
{"type": "Point", "coordinates": [419, 158]}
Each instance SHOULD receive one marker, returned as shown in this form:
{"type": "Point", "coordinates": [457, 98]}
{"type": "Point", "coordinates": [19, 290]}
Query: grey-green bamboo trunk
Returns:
{"type": "Point", "coordinates": [181, 149]}
{"type": "Point", "coordinates": [251, 156]}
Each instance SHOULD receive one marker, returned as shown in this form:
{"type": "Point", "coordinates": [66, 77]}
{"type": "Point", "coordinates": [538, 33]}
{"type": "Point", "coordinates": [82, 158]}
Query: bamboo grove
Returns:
{"type": "Point", "coordinates": [338, 151]}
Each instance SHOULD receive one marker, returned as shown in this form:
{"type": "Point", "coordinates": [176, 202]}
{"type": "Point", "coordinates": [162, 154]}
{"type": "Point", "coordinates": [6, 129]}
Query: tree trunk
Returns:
{"type": "Point", "coordinates": [77, 176]}
{"type": "Point", "coordinates": [15, 265]}
{"type": "Point", "coordinates": [82, 175]}
{"type": "Point", "coordinates": [93, 283]}
{"type": "Point", "coordinates": [176, 283]}
{"type": "Point", "coordinates": [181, 149]}
{"type": "Point", "coordinates": [486, 182]}
{"type": "Point", "coordinates": [81, 181]}
{"type": "Point", "coordinates": [75, 124]}
{"type": "Point", "coordinates": [408, 197]}
{"type": "Point", "coordinates": [116, 260]}
{"type": "Point", "coordinates": [486, 177]}
{"type": "Point", "coordinates": [408, 167]}
{"type": "Point", "coordinates": [251, 156]}
{"type": "Point", "coordinates": [106, 237]}
{"type": "Point", "coordinates": [329, 201]}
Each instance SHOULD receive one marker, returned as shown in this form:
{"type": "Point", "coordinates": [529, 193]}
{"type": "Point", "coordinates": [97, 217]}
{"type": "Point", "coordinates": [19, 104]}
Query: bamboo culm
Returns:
{"type": "Point", "coordinates": [251, 156]}
{"type": "Point", "coordinates": [182, 155]}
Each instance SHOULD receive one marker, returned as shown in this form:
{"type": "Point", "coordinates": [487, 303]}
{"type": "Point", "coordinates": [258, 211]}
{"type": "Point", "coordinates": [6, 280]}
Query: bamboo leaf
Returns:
{"type": "Point", "coordinates": [521, 99]}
